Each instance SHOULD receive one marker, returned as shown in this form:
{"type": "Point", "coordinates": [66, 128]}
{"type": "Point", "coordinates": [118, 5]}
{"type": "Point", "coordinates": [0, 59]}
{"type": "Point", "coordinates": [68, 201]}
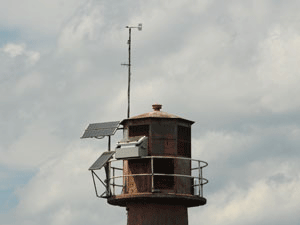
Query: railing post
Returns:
{"type": "Point", "coordinates": [113, 181]}
{"type": "Point", "coordinates": [199, 168]}
{"type": "Point", "coordinates": [152, 177]}
{"type": "Point", "coordinates": [201, 182]}
{"type": "Point", "coordinates": [124, 179]}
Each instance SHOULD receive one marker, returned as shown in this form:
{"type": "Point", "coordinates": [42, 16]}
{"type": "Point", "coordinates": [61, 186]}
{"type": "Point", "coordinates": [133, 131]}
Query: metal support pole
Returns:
{"type": "Point", "coordinates": [109, 143]}
{"type": "Point", "coordinates": [94, 184]}
{"type": "Point", "coordinates": [139, 27]}
{"type": "Point", "coordinates": [129, 72]}
{"type": "Point", "coordinates": [107, 170]}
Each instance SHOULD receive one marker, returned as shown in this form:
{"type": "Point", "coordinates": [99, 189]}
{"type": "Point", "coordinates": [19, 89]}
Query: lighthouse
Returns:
{"type": "Point", "coordinates": [150, 171]}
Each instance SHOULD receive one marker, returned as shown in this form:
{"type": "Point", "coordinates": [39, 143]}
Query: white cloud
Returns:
{"type": "Point", "coordinates": [45, 18]}
{"type": "Point", "coordinates": [29, 83]}
{"type": "Point", "coordinates": [219, 146]}
{"type": "Point", "coordinates": [62, 192]}
{"type": "Point", "coordinates": [232, 67]}
{"type": "Point", "coordinates": [33, 57]}
{"type": "Point", "coordinates": [14, 50]}
{"type": "Point", "coordinates": [83, 27]}
{"type": "Point", "coordinates": [50, 186]}
{"type": "Point", "coordinates": [34, 147]}
{"type": "Point", "coordinates": [266, 200]}
{"type": "Point", "coordinates": [278, 69]}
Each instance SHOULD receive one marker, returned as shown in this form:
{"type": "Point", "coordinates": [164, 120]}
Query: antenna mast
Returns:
{"type": "Point", "coordinates": [139, 27]}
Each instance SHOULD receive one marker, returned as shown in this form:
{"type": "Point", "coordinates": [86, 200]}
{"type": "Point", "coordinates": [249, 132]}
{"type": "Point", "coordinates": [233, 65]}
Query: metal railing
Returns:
{"type": "Point", "coordinates": [196, 168]}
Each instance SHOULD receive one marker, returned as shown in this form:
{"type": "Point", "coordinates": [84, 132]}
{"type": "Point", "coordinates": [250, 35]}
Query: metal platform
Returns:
{"type": "Point", "coordinates": [117, 184]}
{"type": "Point", "coordinates": [166, 199]}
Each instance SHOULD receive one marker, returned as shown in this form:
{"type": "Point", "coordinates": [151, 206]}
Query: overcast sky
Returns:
{"type": "Point", "coordinates": [231, 66]}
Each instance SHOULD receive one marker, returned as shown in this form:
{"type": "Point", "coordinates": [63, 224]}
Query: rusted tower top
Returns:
{"type": "Point", "coordinates": [157, 113]}
{"type": "Point", "coordinates": [157, 180]}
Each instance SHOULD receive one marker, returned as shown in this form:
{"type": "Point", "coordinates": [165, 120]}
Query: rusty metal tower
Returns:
{"type": "Point", "coordinates": [150, 171]}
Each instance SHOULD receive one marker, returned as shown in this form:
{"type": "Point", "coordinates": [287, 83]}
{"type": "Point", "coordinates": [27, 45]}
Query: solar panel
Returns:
{"type": "Point", "coordinates": [101, 129]}
{"type": "Point", "coordinates": [102, 160]}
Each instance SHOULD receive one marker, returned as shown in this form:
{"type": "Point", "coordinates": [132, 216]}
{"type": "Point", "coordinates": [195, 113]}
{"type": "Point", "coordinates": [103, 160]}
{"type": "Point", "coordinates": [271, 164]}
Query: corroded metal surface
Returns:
{"type": "Point", "coordinates": [159, 187]}
{"type": "Point", "coordinates": [153, 213]}
{"type": "Point", "coordinates": [160, 198]}
{"type": "Point", "coordinates": [165, 175]}
{"type": "Point", "coordinates": [178, 187]}
{"type": "Point", "coordinates": [157, 114]}
{"type": "Point", "coordinates": [136, 184]}
{"type": "Point", "coordinates": [176, 173]}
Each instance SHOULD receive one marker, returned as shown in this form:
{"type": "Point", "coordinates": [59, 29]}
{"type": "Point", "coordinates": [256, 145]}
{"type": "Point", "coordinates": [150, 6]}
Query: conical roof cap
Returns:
{"type": "Point", "coordinates": [156, 113]}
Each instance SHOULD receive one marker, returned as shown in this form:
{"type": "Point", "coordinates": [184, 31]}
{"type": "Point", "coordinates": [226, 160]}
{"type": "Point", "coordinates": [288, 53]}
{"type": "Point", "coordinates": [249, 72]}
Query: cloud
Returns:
{"type": "Point", "coordinates": [271, 198]}
{"type": "Point", "coordinates": [44, 19]}
{"type": "Point", "coordinates": [35, 146]}
{"type": "Point", "coordinates": [13, 50]}
{"type": "Point", "coordinates": [232, 67]}
{"type": "Point", "coordinates": [28, 83]}
{"type": "Point", "coordinates": [82, 28]}
{"type": "Point", "coordinates": [33, 57]}
{"type": "Point", "coordinates": [62, 193]}
{"type": "Point", "coordinates": [278, 70]}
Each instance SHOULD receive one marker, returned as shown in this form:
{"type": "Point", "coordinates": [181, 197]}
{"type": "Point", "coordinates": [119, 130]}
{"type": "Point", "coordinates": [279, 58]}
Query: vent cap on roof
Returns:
{"type": "Point", "coordinates": [156, 107]}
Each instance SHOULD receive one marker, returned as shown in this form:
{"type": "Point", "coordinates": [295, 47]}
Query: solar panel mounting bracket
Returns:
{"type": "Point", "coordinates": [99, 131]}
{"type": "Point", "coordinates": [102, 161]}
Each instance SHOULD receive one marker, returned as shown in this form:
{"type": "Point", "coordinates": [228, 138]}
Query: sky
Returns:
{"type": "Point", "coordinates": [230, 66]}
